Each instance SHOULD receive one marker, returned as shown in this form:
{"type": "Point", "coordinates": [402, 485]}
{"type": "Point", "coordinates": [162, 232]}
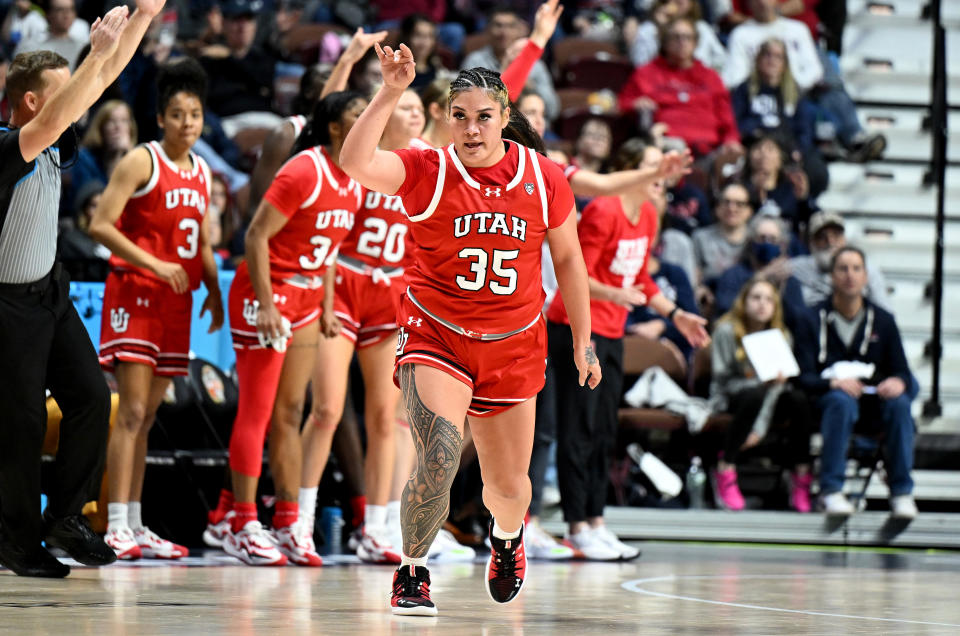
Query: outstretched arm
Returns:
{"type": "Point", "coordinates": [354, 52]}
{"type": "Point", "coordinates": [594, 184]}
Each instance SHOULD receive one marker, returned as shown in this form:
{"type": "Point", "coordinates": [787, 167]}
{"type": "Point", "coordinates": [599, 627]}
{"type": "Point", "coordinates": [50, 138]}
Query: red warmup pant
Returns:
{"type": "Point", "coordinates": [258, 374]}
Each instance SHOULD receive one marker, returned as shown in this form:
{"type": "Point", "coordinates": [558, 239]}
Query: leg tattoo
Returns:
{"type": "Point", "coordinates": [426, 497]}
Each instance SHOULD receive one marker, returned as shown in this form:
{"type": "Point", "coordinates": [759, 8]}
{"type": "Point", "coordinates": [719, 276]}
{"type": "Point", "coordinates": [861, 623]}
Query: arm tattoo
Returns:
{"type": "Point", "coordinates": [590, 355]}
{"type": "Point", "coordinates": [426, 497]}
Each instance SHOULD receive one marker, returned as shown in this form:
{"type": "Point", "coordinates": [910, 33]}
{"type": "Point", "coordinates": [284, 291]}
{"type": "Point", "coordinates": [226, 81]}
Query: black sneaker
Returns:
{"type": "Point", "coordinates": [506, 568]}
{"type": "Point", "coordinates": [36, 562]}
{"type": "Point", "coordinates": [411, 592]}
{"type": "Point", "coordinates": [73, 535]}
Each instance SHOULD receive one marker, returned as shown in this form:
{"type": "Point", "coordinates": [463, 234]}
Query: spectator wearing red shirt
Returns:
{"type": "Point", "coordinates": [684, 94]}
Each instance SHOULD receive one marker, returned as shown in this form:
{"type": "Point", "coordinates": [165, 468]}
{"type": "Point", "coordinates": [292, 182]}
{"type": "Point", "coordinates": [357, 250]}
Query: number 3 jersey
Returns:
{"type": "Point", "coordinates": [478, 234]}
{"type": "Point", "coordinates": [164, 216]}
{"type": "Point", "coordinates": [320, 201]}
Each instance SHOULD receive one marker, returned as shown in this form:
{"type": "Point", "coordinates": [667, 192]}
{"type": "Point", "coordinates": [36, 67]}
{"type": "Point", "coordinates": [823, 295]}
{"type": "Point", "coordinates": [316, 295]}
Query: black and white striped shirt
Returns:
{"type": "Point", "coordinates": [29, 206]}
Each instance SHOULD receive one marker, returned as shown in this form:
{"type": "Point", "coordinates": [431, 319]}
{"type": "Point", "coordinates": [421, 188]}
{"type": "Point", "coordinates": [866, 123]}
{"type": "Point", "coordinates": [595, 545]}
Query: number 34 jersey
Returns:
{"type": "Point", "coordinates": [165, 215]}
{"type": "Point", "coordinates": [478, 234]}
{"type": "Point", "coordinates": [320, 201]}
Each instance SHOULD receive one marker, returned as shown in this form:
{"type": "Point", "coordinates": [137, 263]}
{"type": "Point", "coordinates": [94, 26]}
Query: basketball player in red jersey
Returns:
{"type": "Point", "coordinates": [278, 294]}
{"type": "Point", "coordinates": [616, 234]}
{"type": "Point", "coordinates": [472, 339]}
{"type": "Point", "coordinates": [370, 268]}
{"type": "Point", "coordinates": [152, 216]}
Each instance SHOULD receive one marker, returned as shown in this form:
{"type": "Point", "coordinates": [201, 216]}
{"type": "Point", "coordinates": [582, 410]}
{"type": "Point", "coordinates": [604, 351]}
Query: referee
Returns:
{"type": "Point", "coordinates": [43, 343]}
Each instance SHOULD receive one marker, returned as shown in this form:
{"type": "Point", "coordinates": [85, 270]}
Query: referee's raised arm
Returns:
{"type": "Point", "coordinates": [113, 41]}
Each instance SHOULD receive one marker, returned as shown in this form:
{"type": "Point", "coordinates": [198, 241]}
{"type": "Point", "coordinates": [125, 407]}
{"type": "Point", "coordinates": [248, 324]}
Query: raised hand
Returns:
{"type": "Point", "coordinates": [360, 43]}
{"type": "Point", "coordinates": [397, 66]}
{"type": "Point", "coordinates": [675, 164]}
{"type": "Point", "coordinates": [105, 32]}
{"type": "Point", "coordinates": [545, 22]}
{"type": "Point", "coordinates": [150, 7]}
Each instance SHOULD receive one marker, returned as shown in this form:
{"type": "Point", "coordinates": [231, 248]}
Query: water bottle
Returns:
{"type": "Point", "coordinates": [696, 481]}
{"type": "Point", "coordinates": [331, 522]}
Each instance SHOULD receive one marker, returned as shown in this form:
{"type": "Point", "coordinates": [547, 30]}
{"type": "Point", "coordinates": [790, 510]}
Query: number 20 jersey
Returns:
{"type": "Point", "coordinates": [164, 216]}
{"type": "Point", "coordinates": [478, 234]}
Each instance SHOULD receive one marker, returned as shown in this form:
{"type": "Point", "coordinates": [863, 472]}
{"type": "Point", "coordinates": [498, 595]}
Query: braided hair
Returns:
{"type": "Point", "coordinates": [518, 129]}
{"type": "Point", "coordinates": [327, 111]}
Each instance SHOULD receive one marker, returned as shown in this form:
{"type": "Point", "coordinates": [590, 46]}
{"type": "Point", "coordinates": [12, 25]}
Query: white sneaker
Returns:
{"type": "Point", "coordinates": [550, 496]}
{"type": "Point", "coordinates": [627, 552]}
{"type": "Point", "coordinates": [216, 533]}
{"type": "Point", "coordinates": [375, 547]}
{"type": "Point", "coordinates": [446, 549]}
{"type": "Point", "coordinates": [592, 546]}
{"type": "Point", "coordinates": [903, 507]}
{"type": "Point", "coordinates": [153, 547]}
{"type": "Point", "coordinates": [836, 504]}
{"type": "Point", "coordinates": [541, 545]}
{"type": "Point", "coordinates": [296, 543]}
{"type": "Point", "coordinates": [122, 541]}
{"type": "Point", "coordinates": [254, 546]}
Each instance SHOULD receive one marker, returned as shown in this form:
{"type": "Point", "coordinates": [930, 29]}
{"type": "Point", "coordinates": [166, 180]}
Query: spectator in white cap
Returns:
{"type": "Point", "coordinates": [826, 235]}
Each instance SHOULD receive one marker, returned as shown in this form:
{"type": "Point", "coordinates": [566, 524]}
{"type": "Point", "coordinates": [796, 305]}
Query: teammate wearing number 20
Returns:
{"type": "Point", "coordinates": [153, 218]}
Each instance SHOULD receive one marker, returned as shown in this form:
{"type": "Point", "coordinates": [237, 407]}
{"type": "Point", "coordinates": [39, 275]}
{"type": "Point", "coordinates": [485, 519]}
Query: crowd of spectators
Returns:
{"type": "Point", "coordinates": [750, 87]}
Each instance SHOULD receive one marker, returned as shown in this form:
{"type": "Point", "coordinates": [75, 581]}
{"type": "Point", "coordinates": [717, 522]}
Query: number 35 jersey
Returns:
{"type": "Point", "coordinates": [320, 201]}
{"type": "Point", "coordinates": [165, 215]}
{"type": "Point", "coordinates": [478, 234]}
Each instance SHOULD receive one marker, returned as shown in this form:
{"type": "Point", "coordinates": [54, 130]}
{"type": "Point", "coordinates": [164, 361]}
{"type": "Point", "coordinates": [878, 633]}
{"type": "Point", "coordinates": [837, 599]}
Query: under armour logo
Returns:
{"type": "Point", "coordinates": [250, 309]}
{"type": "Point", "coordinates": [414, 321]}
{"type": "Point", "coordinates": [119, 320]}
{"type": "Point", "coordinates": [143, 302]}
{"type": "Point", "coordinates": [528, 187]}
{"type": "Point", "coordinates": [491, 192]}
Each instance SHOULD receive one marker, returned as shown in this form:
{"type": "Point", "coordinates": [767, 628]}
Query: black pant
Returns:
{"type": "Point", "coordinates": [790, 425]}
{"type": "Point", "coordinates": [44, 345]}
{"type": "Point", "coordinates": [545, 434]}
{"type": "Point", "coordinates": [586, 423]}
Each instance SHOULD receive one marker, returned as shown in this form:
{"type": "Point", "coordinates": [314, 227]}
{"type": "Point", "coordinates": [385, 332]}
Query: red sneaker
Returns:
{"type": "Point", "coordinates": [411, 592]}
{"type": "Point", "coordinates": [506, 568]}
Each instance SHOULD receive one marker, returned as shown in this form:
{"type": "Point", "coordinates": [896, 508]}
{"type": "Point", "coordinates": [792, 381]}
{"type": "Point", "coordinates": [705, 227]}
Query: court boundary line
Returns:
{"type": "Point", "coordinates": [635, 587]}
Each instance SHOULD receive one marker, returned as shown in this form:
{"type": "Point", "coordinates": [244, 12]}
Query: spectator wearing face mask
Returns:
{"type": "Point", "coordinates": [827, 235]}
{"type": "Point", "coordinates": [764, 256]}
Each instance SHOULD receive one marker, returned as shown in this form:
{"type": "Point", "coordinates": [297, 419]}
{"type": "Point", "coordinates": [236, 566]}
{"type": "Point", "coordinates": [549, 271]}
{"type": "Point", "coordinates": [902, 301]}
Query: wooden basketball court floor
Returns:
{"type": "Point", "coordinates": [674, 588]}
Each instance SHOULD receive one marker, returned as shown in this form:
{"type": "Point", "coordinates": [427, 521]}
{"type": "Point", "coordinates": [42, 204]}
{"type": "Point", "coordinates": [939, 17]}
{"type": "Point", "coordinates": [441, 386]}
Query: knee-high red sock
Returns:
{"type": "Point", "coordinates": [258, 373]}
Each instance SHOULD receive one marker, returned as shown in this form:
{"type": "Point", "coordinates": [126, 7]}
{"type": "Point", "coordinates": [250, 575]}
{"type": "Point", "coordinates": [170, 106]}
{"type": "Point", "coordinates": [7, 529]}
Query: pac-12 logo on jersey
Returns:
{"type": "Point", "coordinates": [492, 192]}
{"type": "Point", "coordinates": [119, 319]}
{"type": "Point", "coordinates": [528, 186]}
{"type": "Point", "coordinates": [250, 309]}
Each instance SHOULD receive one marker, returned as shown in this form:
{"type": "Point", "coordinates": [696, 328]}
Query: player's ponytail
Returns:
{"type": "Point", "coordinates": [521, 131]}
{"type": "Point", "coordinates": [328, 110]}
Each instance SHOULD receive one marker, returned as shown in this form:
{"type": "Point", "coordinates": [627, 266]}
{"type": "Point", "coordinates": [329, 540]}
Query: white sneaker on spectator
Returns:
{"type": "Point", "coordinates": [592, 546]}
{"type": "Point", "coordinates": [550, 496]}
{"type": "Point", "coordinates": [254, 546]}
{"type": "Point", "coordinates": [375, 546]}
{"type": "Point", "coordinates": [836, 504]}
{"type": "Point", "coordinates": [903, 507]}
{"type": "Point", "coordinates": [541, 545]}
{"type": "Point", "coordinates": [627, 552]}
{"type": "Point", "coordinates": [216, 533]}
{"type": "Point", "coordinates": [296, 543]}
{"type": "Point", "coordinates": [446, 549]}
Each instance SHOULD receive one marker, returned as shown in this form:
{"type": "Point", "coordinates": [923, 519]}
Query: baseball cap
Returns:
{"type": "Point", "coordinates": [822, 219]}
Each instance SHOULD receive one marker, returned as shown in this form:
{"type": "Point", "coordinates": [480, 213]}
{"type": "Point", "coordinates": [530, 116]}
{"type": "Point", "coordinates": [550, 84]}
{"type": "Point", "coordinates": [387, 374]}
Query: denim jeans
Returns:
{"type": "Point", "coordinates": [840, 413]}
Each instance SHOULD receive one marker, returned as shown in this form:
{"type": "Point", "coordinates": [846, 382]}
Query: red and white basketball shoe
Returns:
{"type": "Point", "coordinates": [376, 547]}
{"type": "Point", "coordinates": [216, 533]}
{"type": "Point", "coordinates": [254, 546]}
{"type": "Point", "coordinates": [153, 547]}
{"type": "Point", "coordinates": [296, 543]}
{"type": "Point", "coordinates": [507, 567]}
{"type": "Point", "coordinates": [124, 543]}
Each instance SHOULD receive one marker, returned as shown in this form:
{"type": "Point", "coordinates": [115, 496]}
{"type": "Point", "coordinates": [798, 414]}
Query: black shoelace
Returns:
{"type": "Point", "coordinates": [507, 567]}
{"type": "Point", "coordinates": [409, 586]}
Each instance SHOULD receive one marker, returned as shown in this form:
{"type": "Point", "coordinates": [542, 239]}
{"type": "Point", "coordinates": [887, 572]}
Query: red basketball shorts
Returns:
{"type": "Point", "coordinates": [367, 310]}
{"type": "Point", "coordinates": [144, 321]}
{"type": "Point", "coordinates": [298, 305]}
{"type": "Point", "coordinates": [501, 373]}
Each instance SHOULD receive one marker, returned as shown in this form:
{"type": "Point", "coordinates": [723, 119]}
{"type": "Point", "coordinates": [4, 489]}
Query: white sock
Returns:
{"type": "Point", "coordinates": [117, 516]}
{"type": "Point", "coordinates": [393, 513]}
{"type": "Point", "coordinates": [307, 501]}
{"type": "Point", "coordinates": [500, 533]}
{"type": "Point", "coordinates": [421, 562]}
{"type": "Point", "coordinates": [375, 516]}
{"type": "Point", "coordinates": [133, 515]}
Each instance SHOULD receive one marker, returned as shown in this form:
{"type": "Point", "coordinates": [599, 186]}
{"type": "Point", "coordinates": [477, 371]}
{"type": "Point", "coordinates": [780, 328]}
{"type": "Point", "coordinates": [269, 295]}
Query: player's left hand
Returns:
{"type": "Point", "coordinates": [214, 304]}
{"type": "Point", "coordinates": [330, 325]}
{"type": "Point", "coordinates": [397, 66]}
{"type": "Point", "coordinates": [675, 164]}
{"type": "Point", "coordinates": [692, 328]}
{"type": "Point", "coordinates": [588, 366]}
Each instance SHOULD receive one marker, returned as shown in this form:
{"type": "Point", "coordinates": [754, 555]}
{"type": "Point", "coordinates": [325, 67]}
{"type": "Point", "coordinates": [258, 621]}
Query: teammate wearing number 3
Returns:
{"type": "Point", "coordinates": [472, 341]}
{"type": "Point", "coordinates": [152, 216]}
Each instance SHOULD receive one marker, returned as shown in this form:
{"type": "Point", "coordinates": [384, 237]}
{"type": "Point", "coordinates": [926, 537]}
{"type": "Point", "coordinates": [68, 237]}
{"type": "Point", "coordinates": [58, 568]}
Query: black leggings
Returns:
{"type": "Point", "coordinates": [790, 424]}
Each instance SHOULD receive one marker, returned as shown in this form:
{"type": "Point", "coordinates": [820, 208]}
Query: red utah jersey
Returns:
{"type": "Point", "coordinates": [164, 216]}
{"type": "Point", "coordinates": [616, 252]}
{"type": "Point", "coordinates": [379, 237]}
{"type": "Point", "coordinates": [478, 234]}
{"type": "Point", "coordinates": [320, 201]}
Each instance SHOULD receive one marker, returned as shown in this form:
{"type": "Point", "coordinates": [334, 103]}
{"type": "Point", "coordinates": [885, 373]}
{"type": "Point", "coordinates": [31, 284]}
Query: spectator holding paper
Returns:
{"type": "Point", "coordinates": [756, 392]}
{"type": "Point", "coordinates": [851, 357]}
